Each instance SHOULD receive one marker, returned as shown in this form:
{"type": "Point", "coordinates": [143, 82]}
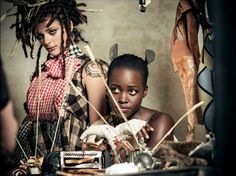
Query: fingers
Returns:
{"type": "Point", "coordinates": [148, 127]}
{"type": "Point", "coordinates": [144, 132]}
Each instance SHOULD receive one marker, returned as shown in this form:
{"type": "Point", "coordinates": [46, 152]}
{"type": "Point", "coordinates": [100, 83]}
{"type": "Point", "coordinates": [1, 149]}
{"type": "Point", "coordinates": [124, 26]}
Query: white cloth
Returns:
{"type": "Point", "coordinates": [135, 124]}
{"type": "Point", "coordinates": [110, 133]}
{"type": "Point", "coordinates": [122, 168]}
{"type": "Point", "coordinates": [102, 131]}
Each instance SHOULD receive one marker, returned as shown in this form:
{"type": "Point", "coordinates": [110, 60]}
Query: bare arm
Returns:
{"type": "Point", "coordinates": [8, 128]}
{"type": "Point", "coordinates": [161, 125]}
{"type": "Point", "coordinates": [95, 89]}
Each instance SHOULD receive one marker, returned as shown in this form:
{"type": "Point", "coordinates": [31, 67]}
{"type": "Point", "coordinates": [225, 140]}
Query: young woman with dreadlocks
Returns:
{"type": "Point", "coordinates": [56, 115]}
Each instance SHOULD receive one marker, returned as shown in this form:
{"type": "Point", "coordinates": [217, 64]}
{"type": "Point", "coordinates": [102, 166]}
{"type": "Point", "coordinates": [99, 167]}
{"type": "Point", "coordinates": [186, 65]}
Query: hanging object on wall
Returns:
{"type": "Point", "coordinates": [205, 78]}
{"type": "Point", "coordinates": [143, 4]}
{"type": "Point", "coordinates": [185, 59]}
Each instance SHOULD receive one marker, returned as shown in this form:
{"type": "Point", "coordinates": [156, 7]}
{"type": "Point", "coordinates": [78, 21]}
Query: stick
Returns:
{"type": "Point", "coordinates": [93, 10]}
{"type": "Point", "coordinates": [22, 149]}
{"type": "Point", "coordinates": [180, 119]}
{"type": "Point", "coordinates": [38, 98]}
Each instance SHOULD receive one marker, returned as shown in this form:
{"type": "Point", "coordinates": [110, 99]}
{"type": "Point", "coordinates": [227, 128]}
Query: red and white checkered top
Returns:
{"type": "Point", "coordinates": [49, 91]}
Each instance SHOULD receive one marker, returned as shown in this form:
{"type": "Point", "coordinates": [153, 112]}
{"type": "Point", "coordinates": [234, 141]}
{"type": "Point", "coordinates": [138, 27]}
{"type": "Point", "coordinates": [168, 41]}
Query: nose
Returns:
{"type": "Point", "coordinates": [122, 98]}
{"type": "Point", "coordinates": [47, 40]}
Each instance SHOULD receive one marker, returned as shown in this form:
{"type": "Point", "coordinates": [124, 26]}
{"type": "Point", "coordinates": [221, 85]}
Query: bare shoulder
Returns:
{"type": "Point", "coordinates": [92, 69]}
{"type": "Point", "coordinates": [161, 118]}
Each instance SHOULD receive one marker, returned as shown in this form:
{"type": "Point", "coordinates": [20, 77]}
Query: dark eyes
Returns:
{"type": "Point", "coordinates": [115, 90]}
{"type": "Point", "coordinates": [133, 92]}
{"type": "Point", "coordinates": [130, 91]}
{"type": "Point", "coordinates": [52, 31]}
{"type": "Point", "coordinates": [41, 36]}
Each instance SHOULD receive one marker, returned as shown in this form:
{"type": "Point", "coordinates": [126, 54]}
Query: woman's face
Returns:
{"type": "Point", "coordinates": [50, 37]}
{"type": "Point", "coordinates": [128, 90]}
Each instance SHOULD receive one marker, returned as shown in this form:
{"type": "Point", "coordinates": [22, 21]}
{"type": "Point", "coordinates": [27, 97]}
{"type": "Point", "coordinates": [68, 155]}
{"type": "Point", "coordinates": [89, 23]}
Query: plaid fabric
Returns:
{"type": "Point", "coordinates": [49, 90]}
{"type": "Point", "coordinates": [74, 50]}
{"type": "Point", "coordinates": [73, 122]}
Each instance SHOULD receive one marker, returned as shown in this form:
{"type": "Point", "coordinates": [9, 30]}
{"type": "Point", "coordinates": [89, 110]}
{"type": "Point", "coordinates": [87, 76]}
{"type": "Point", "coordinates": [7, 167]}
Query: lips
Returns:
{"type": "Point", "coordinates": [51, 49]}
{"type": "Point", "coordinates": [124, 109]}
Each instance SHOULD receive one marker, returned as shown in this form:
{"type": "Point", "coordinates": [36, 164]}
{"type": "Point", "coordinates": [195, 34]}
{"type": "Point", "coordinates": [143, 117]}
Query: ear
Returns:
{"type": "Point", "coordinates": [113, 51]}
{"type": "Point", "coordinates": [149, 55]}
{"type": "Point", "coordinates": [145, 91]}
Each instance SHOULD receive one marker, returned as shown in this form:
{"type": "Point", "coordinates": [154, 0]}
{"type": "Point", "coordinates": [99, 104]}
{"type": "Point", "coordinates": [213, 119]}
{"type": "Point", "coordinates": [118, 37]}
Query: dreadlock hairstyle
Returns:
{"type": "Point", "coordinates": [132, 62]}
{"type": "Point", "coordinates": [31, 12]}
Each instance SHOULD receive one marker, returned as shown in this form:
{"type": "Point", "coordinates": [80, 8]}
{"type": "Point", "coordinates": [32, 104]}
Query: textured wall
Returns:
{"type": "Point", "coordinates": [120, 21]}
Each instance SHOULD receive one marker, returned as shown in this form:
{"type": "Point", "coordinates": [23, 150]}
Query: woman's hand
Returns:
{"type": "Point", "coordinates": [143, 134]}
